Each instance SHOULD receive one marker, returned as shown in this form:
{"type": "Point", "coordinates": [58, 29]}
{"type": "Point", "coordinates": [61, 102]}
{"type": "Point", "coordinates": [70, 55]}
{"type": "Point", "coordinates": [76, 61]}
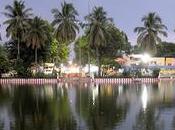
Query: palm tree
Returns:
{"type": "Point", "coordinates": [65, 23]}
{"type": "Point", "coordinates": [37, 34]}
{"type": "Point", "coordinates": [17, 21]}
{"type": "Point", "coordinates": [97, 32]}
{"type": "Point", "coordinates": [149, 33]}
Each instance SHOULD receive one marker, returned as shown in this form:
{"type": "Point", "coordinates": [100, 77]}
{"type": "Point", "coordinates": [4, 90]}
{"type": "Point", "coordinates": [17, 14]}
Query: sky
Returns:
{"type": "Point", "coordinates": [126, 14]}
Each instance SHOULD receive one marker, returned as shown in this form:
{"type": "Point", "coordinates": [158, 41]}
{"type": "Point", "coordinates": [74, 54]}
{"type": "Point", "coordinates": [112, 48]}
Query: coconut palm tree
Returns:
{"type": "Point", "coordinates": [97, 32]}
{"type": "Point", "coordinates": [65, 23]}
{"type": "Point", "coordinates": [149, 33]}
{"type": "Point", "coordinates": [37, 35]}
{"type": "Point", "coordinates": [17, 21]}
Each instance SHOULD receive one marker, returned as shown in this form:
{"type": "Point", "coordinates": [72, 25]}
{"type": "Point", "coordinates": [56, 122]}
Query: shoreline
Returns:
{"type": "Point", "coordinates": [41, 81]}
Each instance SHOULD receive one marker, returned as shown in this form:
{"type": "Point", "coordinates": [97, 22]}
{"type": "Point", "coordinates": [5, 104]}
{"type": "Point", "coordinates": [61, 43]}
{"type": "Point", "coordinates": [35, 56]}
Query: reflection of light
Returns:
{"type": "Point", "coordinates": [66, 85]}
{"type": "Point", "coordinates": [120, 89]}
{"type": "Point", "coordinates": [94, 93]}
{"type": "Point", "coordinates": [49, 91]}
{"type": "Point", "coordinates": [144, 97]}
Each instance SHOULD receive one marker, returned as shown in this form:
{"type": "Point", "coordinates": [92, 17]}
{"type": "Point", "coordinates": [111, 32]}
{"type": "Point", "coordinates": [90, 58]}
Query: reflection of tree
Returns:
{"type": "Point", "coordinates": [173, 123]}
{"type": "Point", "coordinates": [148, 119]}
{"type": "Point", "coordinates": [25, 111]}
{"type": "Point", "coordinates": [1, 125]}
{"type": "Point", "coordinates": [35, 111]}
{"type": "Point", "coordinates": [4, 94]}
{"type": "Point", "coordinates": [60, 108]}
{"type": "Point", "coordinates": [103, 113]}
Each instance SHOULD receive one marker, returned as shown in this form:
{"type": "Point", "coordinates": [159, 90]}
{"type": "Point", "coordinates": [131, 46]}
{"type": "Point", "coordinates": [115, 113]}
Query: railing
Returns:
{"type": "Point", "coordinates": [84, 80]}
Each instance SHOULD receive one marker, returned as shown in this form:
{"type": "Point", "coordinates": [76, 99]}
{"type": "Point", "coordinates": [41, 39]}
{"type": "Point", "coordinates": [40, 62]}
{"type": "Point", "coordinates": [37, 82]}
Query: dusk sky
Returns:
{"type": "Point", "coordinates": [126, 13]}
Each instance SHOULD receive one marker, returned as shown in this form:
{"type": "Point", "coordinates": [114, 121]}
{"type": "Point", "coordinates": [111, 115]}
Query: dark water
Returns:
{"type": "Point", "coordinates": [88, 107]}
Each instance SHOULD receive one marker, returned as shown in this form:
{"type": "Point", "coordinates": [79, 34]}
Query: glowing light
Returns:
{"type": "Point", "coordinates": [62, 65]}
{"type": "Point", "coordinates": [144, 97]}
{"type": "Point", "coordinates": [70, 62]}
{"type": "Point", "coordinates": [145, 58]}
{"type": "Point", "coordinates": [93, 68]}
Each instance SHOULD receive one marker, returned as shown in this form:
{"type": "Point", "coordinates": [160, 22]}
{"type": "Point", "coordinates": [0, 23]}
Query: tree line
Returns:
{"type": "Point", "coordinates": [35, 40]}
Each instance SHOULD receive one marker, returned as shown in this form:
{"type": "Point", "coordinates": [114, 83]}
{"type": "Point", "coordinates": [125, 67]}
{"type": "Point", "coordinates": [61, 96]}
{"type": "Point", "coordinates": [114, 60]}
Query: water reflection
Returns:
{"type": "Point", "coordinates": [88, 107]}
{"type": "Point", "coordinates": [144, 97]}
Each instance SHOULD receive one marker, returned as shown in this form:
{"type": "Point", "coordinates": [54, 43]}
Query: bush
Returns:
{"type": "Point", "coordinates": [126, 73]}
{"type": "Point", "coordinates": [39, 75]}
{"type": "Point", "coordinates": [42, 75]}
{"type": "Point", "coordinates": [4, 61]}
{"type": "Point", "coordinates": [21, 69]}
{"type": "Point", "coordinates": [156, 73]}
{"type": "Point", "coordinates": [138, 73]}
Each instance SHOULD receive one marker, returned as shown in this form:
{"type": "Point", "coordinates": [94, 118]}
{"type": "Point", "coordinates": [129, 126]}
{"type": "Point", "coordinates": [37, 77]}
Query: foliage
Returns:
{"type": "Point", "coordinates": [58, 52]}
{"type": "Point", "coordinates": [97, 27]}
{"type": "Point", "coordinates": [97, 33]}
{"type": "Point", "coordinates": [166, 49]}
{"type": "Point", "coordinates": [136, 49]}
{"type": "Point", "coordinates": [104, 38]}
{"type": "Point", "coordinates": [27, 53]}
{"type": "Point", "coordinates": [4, 61]}
{"type": "Point", "coordinates": [126, 73]}
{"type": "Point", "coordinates": [65, 23]}
{"type": "Point", "coordinates": [18, 17]}
{"type": "Point", "coordinates": [38, 34]}
{"type": "Point", "coordinates": [102, 41]}
{"type": "Point", "coordinates": [156, 73]}
{"type": "Point", "coordinates": [22, 71]}
{"type": "Point", "coordinates": [149, 33]}
{"type": "Point", "coordinates": [110, 62]}
{"type": "Point", "coordinates": [82, 50]}
{"type": "Point", "coordinates": [117, 42]}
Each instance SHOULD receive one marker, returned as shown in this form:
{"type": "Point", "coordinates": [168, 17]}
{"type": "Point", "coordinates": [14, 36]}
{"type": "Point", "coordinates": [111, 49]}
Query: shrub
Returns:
{"type": "Point", "coordinates": [21, 69]}
{"type": "Point", "coordinates": [156, 73]}
{"type": "Point", "coordinates": [39, 75]}
{"type": "Point", "coordinates": [126, 73]}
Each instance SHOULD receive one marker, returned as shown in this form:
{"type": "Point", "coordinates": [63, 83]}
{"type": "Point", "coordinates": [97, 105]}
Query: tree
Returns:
{"type": "Point", "coordinates": [81, 46]}
{"type": "Point", "coordinates": [117, 42]}
{"type": "Point", "coordinates": [97, 30]}
{"type": "Point", "coordinates": [149, 33]}
{"type": "Point", "coordinates": [17, 21]}
{"type": "Point", "coordinates": [26, 59]}
{"type": "Point", "coordinates": [58, 52]}
{"type": "Point", "coordinates": [166, 49]}
{"type": "Point", "coordinates": [4, 62]}
{"type": "Point", "coordinates": [65, 23]}
{"type": "Point", "coordinates": [126, 45]}
{"type": "Point", "coordinates": [37, 34]}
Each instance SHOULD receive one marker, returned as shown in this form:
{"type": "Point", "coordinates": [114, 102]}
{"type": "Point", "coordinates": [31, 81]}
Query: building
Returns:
{"type": "Point", "coordinates": [138, 59]}
{"type": "Point", "coordinates": [48, 68]}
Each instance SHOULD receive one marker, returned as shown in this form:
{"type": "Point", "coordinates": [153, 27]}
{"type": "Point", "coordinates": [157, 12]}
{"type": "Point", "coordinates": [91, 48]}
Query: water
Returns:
{"type": "Point", "coordinates": [88, 107]}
